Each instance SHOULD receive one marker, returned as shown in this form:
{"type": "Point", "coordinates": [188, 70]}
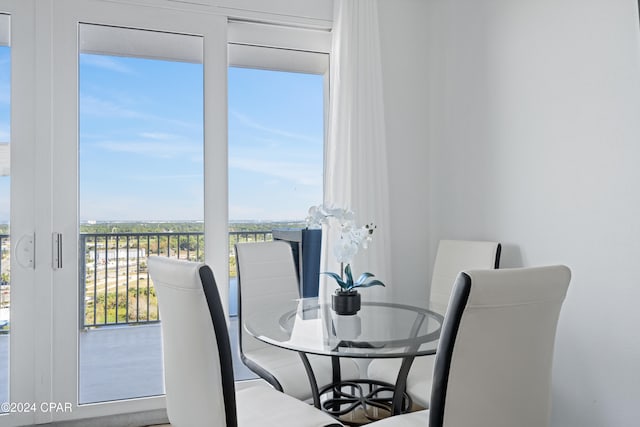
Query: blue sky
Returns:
{"type": "Point", "coordinates": [4, 126]}
{"type": "Point", "coordinates": [140, 155]}
{"type": "Point", "coordinates": [275, 143]}
{"type": "Point", "coordinates": [141, 141]}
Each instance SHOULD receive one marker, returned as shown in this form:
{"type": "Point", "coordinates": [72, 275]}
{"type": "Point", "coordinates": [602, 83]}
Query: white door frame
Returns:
{"type": "Point", "coordinates": [22, 215]}
{"type": "Point", "coordinates": [66, 16]}
{"type": "Point", "coordinates": [44, 135]}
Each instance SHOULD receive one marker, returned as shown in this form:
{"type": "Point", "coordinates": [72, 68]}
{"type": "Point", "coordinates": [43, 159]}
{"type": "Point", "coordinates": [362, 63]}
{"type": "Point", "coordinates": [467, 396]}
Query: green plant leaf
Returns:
{"type": "Point", "coordinates": [337, 278]}
{"type": "Point", "coordinates": [371, 283]}
{"type": "Point", "coordinates": [363, 277]}
{"type": "Point", "coordinates": [347, 272]}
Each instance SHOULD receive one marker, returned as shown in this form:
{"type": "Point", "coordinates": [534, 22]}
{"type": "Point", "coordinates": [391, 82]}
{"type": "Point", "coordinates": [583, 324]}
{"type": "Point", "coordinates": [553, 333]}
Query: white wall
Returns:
{"type": "Point", "coordinates": [404, 68]}
{"type": "Point", "coordinates": [535, 142]}
{"type": "Point", "coordinates": [308, 13]}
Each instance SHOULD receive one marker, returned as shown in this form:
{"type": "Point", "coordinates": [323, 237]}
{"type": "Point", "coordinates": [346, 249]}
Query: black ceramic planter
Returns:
{"type": "Point", "coordinates": [345, 303]}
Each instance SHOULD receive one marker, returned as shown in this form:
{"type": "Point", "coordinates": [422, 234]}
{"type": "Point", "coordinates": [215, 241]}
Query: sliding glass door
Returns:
{"type": "Point", "coordinates": [141, 193]}
{"type": "Point", "coordinates": [127, 104]}
{"type": "Point", "coordinates": [141, 112]}
{"type": "Point", "coordinates": [5, 204]}
{"type": "Point", "coordinates": [113, 148]}
{"type": "Point", "coordinates": [18, 318]}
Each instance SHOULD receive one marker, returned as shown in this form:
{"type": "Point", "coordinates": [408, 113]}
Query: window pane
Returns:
{"type": "Point", "coordinates": [276, 145]}
{"type": "Point", "coordinates": [276, 134]}
{"type": "Point", "coordinates": [141, 193]}
{"type": "Point", "coordinates": [5, 197]}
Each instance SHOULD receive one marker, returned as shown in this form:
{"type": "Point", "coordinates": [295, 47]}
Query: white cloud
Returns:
{"type": "Point", "coordinates": [300, 173]}
{"type": "Point", "coordinates": [157, 135]}
{"type": "Point", "coordinates": [106, 63]}
{"type": "Point", "coordinates": [245, 212]}
{"type": "Point", "coordinates": [259, 213]}
{"type": "Point", "coordinates": [117, 95]}
{"type": "Point", "coordinates": [101, 108]}
{"type": "Point", "coordinates": [246, 121]}
{"type": "Point", "coordinates": [170, 178]}
{"type": "Point", "coordinates": [93, 136]}
{"type": "Point", "coordinates": [5, 93]}
{"type": "Point", "coordinates": [4, 132]}
{"type": "Point", "coordinates": [98, 107]}
{"type": "Point", "coordinates": [150, 148]}
{"type": "Point", "coordinates": [4, 199]}
{"type": "Point", "coordinates": [135, 208]}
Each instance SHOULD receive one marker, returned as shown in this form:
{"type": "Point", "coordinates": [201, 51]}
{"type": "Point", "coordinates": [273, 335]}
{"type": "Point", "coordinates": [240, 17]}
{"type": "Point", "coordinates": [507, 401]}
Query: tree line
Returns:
{"type": "Point", "coordinates": [180, 227]}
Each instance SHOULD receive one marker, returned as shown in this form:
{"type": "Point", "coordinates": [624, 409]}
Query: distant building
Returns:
{"type": "Point", "coordinates": [124, 254]}
{"type": "Point", "coordinates": [5, 156]}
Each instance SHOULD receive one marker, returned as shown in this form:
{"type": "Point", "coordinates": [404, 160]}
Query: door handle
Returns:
{"type": "Point", "coordinates": [25, 251]}
{"type": "Point", "coordinates": [56, 242]}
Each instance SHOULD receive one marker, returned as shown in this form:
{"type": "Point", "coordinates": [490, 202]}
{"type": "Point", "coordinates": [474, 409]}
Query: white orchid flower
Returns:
{"type": "Point", "coordinates": [350, 239]}
{"type": "Point", "coordinates": [344, 250]}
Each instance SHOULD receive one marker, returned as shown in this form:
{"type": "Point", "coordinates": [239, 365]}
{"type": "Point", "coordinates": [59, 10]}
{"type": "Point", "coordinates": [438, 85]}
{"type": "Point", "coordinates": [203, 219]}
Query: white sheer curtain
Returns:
{"type": "Point", "coordinates": [356, 159]}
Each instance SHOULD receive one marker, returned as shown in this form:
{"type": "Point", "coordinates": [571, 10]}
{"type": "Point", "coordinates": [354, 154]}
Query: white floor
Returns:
{"type": "Point", "coordinates": [119, 363]}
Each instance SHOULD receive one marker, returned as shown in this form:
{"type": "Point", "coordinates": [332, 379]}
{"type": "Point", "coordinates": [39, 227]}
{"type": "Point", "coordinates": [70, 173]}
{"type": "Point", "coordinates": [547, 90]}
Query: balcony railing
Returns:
{"type": "Point", "coordinates": [114, 283]}
{"type": "Point", "coordinates": [115, 288]}
{"type": "Point", "coordinates": [5, 287]}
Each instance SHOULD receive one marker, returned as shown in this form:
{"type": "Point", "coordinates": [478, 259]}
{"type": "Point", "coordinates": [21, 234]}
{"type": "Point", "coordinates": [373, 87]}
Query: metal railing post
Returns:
{"type": "Point", "coordinates": [83, 280]}
{"type": "Point", "coordinates": [99, 279]}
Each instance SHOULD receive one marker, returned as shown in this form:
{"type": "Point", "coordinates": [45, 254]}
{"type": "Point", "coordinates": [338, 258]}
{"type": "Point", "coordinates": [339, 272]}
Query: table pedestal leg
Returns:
{"type": "Point", "coordinates": [401, 385]}
{"type": "Point", "coordinates": [369, 395]}
{"type": "Point", "coordinates": [312, 379]}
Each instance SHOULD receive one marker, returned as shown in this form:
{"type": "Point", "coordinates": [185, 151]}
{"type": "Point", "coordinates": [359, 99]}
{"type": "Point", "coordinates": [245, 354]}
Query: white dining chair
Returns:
{"type": "Point", "coordinates": [266, 274]}
{"type": "Point", "coordinates": [199, 383]}
{"type": "Point", "coordinates": [494, 358]}
{"type": "Point", "coordinates": [453, 256]}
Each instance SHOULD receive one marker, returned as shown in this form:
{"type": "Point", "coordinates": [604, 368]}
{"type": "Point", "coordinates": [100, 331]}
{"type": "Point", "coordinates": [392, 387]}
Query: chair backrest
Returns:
{"type": "Point", "coordinates": [266, 274]}
{"type": "Point", "coordinates": [195, 343]}
{"type": "Point", "coordinates": [493, 363]}
{"type": "Point", "coordinates": [454, 256]}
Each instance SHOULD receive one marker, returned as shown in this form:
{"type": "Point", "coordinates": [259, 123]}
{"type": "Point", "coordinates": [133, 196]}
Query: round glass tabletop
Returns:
{"type": "Point", "coordinates": [379, 329]}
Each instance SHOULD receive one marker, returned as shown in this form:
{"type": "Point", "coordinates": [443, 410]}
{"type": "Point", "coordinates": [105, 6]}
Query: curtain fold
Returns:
{"type": "Point", "coordinates": [356, 175]}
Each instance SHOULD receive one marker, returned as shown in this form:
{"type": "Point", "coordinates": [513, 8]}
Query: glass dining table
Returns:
{"type": "Point", "coordinates": [379, 330]}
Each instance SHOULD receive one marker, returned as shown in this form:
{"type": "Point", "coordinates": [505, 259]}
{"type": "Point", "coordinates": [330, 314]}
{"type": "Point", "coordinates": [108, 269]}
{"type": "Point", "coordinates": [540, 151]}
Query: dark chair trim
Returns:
{"type": "Point", "coordinates": [224, 346]}
{"type": "Point", "coordinates": [257, 369]}
{"type": "Point", "coordinates": [498, 253]}
{"type": "Point", "coordinates": [261, 372]}
{"type": "Point", "coordinates": [457, 304]}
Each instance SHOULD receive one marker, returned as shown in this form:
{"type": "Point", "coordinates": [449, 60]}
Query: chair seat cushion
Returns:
{"type": "Point", "coordinates": [413, 419]}
{"type": "Point", "coordinates": [288, 369]}
{"type": "Point", "coordinates": [263, 406]}
{"type": "Point", "coordinates": [418, 381]}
